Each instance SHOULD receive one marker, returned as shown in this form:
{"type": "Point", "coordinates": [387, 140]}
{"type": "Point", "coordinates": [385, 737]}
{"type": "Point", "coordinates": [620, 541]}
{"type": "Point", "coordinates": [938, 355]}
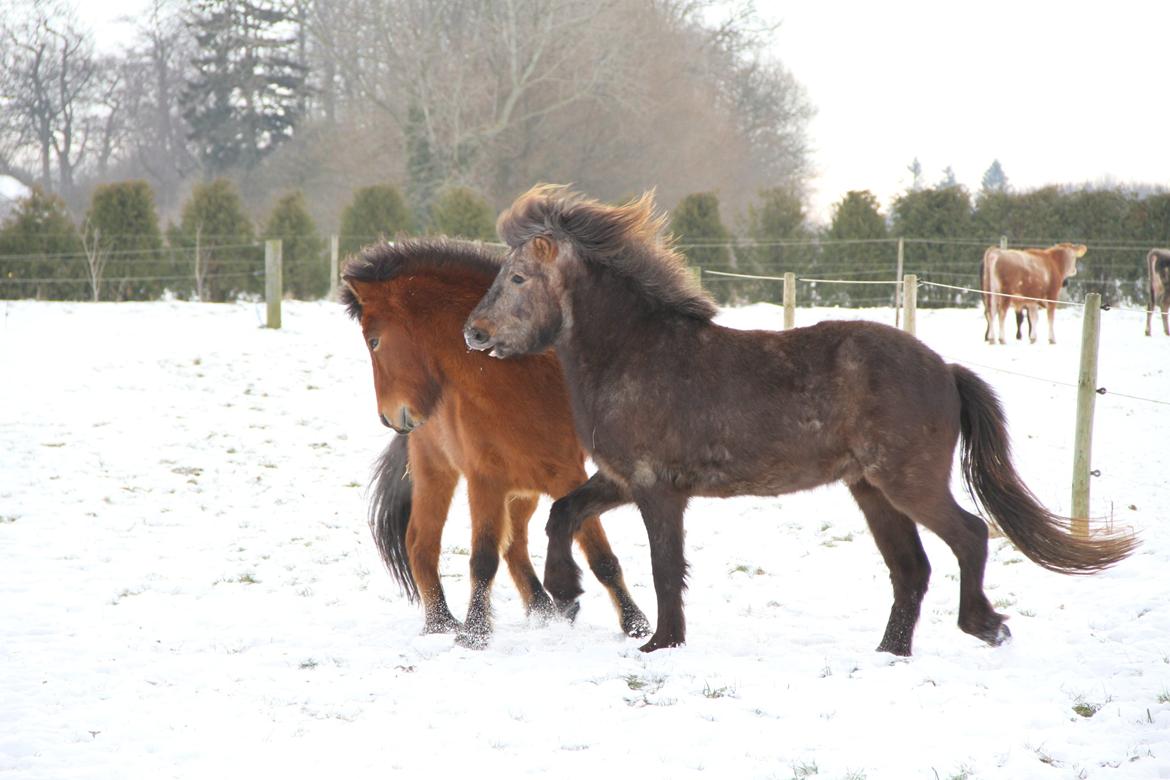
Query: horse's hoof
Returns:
{"type": "Point", "coordinates": [636, 625]}
{"type": "Point", "coordinates": [999, 636]}
{"type": "Point", "coordinates": [892, 648]}
{"type": "Point", "coordinates": [542, 609]}
{"type": "Point", "coordinates": [472, 640]}
{"type": "Point", "coordinates": [569, 609]}
{"type": "Point", "coordinates": [660, 644]}
{"type": "Point", "coordinates": [442, 626]}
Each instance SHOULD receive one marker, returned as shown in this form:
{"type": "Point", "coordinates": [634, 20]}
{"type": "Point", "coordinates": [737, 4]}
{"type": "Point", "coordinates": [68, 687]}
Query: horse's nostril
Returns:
{"type": "Point", "coordinates": [474, 335]}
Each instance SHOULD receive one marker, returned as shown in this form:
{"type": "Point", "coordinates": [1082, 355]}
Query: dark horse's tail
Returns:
{"type": "Point", "coordinates": [390, 499]}
{"type": "Point", "coordinates": [1044, 537]}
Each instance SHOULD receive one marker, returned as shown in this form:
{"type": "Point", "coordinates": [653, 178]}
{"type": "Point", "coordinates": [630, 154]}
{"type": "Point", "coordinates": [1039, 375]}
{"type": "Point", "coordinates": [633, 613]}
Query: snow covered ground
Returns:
{"type": "Point", "coordinates": [188, 588]}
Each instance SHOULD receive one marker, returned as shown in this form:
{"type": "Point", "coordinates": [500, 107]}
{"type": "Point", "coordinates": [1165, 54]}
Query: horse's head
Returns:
{"type": "Point", "coordinates": [406, 389]}
{"type": "Point", "coordinates": [523, 311]}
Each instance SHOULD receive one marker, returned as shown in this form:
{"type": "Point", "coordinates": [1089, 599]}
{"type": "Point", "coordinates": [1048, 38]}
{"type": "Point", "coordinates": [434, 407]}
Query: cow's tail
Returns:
{"type": "Point", "coordinates": [1039, 534]}
{"type": "Point", "coordinates": [390, 501]}
{"type": "Point", "coordinates": [985, 283]}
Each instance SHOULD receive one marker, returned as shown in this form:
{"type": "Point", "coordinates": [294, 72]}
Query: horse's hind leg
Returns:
{"type": "Point", "coordinates": [898, 541]}
{"type": "Point", "coordinates": [591, 536]}
{"type": "Point", "coordinates": [433, 489]}
{"type": "Point", "coordinates": [536, 600]}
{"type": "Point", "coordinates": [934, 507]}
{"type": "Point", "coordinates": [562, 576]}
{"type": "Point", "coordinates": [488, 518]}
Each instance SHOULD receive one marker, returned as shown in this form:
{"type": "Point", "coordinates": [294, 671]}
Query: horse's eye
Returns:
{"type": "Point", "coordinates": [374, 342]}
{"type": "Point", "coordinates": [518, 279]}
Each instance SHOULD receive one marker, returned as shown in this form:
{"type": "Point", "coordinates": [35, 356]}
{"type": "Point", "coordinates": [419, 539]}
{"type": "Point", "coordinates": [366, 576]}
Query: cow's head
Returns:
{"type": "Point", "coordinates": [1068, 256]}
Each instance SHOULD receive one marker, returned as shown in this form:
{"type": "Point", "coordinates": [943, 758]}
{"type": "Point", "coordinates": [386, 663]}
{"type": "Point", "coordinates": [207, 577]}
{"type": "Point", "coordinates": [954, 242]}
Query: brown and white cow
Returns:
{"type": "Point", "coordinates": [1011, 277]}
{"type": "Point", "coordinates": [1158, 263]}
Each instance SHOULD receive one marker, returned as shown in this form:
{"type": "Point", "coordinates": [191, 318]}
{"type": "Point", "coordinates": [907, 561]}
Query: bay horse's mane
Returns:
{"type": "Point", "coordinates": [384, 261]}
{"type": "Point", "coordinates": [628, 239]}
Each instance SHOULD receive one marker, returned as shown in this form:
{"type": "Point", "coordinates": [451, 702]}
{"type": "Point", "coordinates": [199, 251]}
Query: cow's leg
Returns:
{"type": "Point", "coordinates": [1019, 322]}
{"type": "Point", "coordinates": [1032, 311]}
{"type": "Point", "coordinates": [1001, 315]}
{"type": "Point", "coordinates": [1166, 318]}
{"type": "Point", "coordinates": [1051, 319]}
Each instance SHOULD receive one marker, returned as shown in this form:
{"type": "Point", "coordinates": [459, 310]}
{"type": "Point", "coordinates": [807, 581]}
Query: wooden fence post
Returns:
{"type": "Point", "coordinates": [1086, 398]}
{"type": "Point", "coordinates": [334, 270]}
{"type": "Point", "coordinates": [898, 287]}
{"type": "Point", "coordinates": [789, 300]}
{"type": "Point", "coordinates": [910, 290]}
{"type": "Point", "coordinates": [1003, 242]}
{"type": "Point", "coordinates": [273, 280]}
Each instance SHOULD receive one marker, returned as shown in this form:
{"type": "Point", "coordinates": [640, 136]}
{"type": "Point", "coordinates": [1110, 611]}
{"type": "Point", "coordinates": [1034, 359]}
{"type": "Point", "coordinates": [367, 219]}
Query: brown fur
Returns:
{"type": "Point", "coordinates": [671, 405]}
{"type": "Point", "coordinates": [506, 427]}
{"type": "Point", "coordinates": [1013, 276]}
{"type": "Point", "coordinates": [1158, 268]}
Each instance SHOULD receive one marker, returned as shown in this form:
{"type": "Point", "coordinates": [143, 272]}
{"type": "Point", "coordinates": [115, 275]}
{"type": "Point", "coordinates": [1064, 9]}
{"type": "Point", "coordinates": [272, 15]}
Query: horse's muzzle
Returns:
{"type": "Point", "coordinates": [403, 422]}
{"type": "Point", "coordinates": [476, 338]}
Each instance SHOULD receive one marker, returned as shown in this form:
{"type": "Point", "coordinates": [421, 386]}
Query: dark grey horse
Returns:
{"type": "Point", "coordinates": [671, 405]}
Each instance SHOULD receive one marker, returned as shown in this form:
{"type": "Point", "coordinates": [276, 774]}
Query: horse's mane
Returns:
{"type": "Point", "coordinates": [628, 239]}
{"type": "Point", "coordinates": [384, 261]}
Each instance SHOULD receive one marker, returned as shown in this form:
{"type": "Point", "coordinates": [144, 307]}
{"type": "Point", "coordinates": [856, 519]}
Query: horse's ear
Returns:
{"type": "Point", "coordinates": [362, 291]}
{"type": "Point", "coordinates": [545, 249]}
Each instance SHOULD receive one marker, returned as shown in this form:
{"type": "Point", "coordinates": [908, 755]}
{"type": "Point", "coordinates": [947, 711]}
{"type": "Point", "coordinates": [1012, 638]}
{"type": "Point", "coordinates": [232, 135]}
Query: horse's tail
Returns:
{"type": "Point", "coordinates": [390, 500]}
{"type": "Point", "coordinates": [1044, 537]}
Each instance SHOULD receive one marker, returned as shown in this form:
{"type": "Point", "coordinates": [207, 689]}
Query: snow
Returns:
{"type": "Point", "coordinates": [188, 588]}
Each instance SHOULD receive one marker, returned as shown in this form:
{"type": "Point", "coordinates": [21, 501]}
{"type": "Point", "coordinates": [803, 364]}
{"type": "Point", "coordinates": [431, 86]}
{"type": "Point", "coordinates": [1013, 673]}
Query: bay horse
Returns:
{"type": "Point", "coordinates": [1024, 279]}
{"type": "Point", "coordinates": [506, 427]}
{"type": "Point", "coordinates": [671, 405]}
{"type": "Point", "coordinates": [1158, 265]}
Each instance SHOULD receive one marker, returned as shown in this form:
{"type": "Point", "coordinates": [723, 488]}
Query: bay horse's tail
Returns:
{"type": "Point", "coordinates": [1039, 534]}
{"type": "Point", "coordinates": [390, 501]}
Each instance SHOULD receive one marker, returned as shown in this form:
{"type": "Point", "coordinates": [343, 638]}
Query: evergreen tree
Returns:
{"type": "Point", "coordinates": [857, 219]}
{"type": "Point", "coordinates": [215, 244]}
{"type": "Point", "coordinates": [248, 89]}
{"type": "Point", "coordinates": [777, 216]}
{"type": "Point", "coordinates": [375, 213]}
{"type": "Point", "coordinates": [423, 171]}
{"type": "Point", "coordinates": [459, 212]}
{"type": "Point", "coordinates": [305, 268]}
{"type": "Point", "coordinates": [948, 178]}
{"type": "Point", "coordinates": [702, 237]}
{"type": "Point", "coordinates": [939, 213]}
{"type": "Point", "coordinates": [915, 169]}
{"type": "Point", "coordinates": [122, 224]}
{"type": "Point", "coordinates": [40, 251]}
{"type": "Point", "coordinates": [994, 179]}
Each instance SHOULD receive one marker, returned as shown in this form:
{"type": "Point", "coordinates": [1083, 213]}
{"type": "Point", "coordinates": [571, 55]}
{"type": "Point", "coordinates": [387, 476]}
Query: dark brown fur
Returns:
{"type": "Point", "coordinates": [1158, 267]}
{"type": "Point", "coordinates": [671, 405]}
{"type": "Point", "coordinates": [504, 426]}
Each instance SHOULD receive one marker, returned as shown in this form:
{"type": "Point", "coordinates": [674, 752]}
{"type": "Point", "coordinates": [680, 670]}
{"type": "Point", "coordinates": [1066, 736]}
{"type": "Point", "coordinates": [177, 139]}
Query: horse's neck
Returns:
{"type": "Point", "coordinates": [611, 323]}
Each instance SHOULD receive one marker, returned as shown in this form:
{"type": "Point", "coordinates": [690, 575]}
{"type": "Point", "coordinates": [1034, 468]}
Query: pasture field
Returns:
{"type": "Point", "coordinates": [188, 588]}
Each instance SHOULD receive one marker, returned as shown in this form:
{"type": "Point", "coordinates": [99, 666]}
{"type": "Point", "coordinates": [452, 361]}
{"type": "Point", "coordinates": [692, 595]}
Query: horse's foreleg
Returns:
{"type": "Point", "coordinates": [488, 518]}
{"type": "Point", "coordinates": [897, 539]}
{"type": "Point", "coordinates": [662, 511]}
{"type": "Point", "coordinates": [562, 576]}
{"type": "Point", "coordinates": [433, 488]}
{"type": "Point", "coordinates": [536, 600]}
{"type": "Point", "coordinates": [591, 536]}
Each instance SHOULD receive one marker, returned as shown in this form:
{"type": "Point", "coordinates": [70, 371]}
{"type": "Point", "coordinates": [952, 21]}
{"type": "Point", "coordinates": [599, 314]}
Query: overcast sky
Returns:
{"type": "Point", "coordinates": [1059, 92]}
